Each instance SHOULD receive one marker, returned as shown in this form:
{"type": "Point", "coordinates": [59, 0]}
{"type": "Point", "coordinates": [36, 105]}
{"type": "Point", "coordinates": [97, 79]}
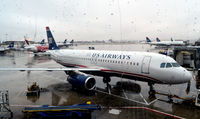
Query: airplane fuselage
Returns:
{"type": "Point", "coordinates": [168, 43]}
{"type": "Point", "coordinates": [37, 48]}
{"type": "Point", "coordinates": [142, 66]}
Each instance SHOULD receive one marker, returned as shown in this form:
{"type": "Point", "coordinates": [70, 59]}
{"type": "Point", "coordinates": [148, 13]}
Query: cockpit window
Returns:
{"type": "Point", "coordinates": [175, 65]}
{"type": "Point", "coordinates": [162, 65]}
{"type": "Point", "coordinates": [168, 65]}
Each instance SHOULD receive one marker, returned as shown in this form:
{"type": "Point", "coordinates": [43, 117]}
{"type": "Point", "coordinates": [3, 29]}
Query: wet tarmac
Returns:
{"type": "Point", "coordinates": [57, 91]}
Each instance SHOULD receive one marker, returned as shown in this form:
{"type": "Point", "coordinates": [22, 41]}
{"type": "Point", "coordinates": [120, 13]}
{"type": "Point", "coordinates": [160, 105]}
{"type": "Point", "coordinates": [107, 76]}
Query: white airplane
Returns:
{"type": "Point", "coordinates": [164, 43]}
{"type": "Point", "coordinates": [142, 66]}
{"type": "Point", "coordinates": [36, 48]}
{"type": "Point", "coordinates": [4, 49]}
{"type": "Point", "coordinates": [65, 43]}
{"type": "Point", "coordinates": [42, 47]}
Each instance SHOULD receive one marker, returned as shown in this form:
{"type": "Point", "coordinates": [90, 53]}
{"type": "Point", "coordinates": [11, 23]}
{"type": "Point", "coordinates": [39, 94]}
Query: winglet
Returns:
{"type": "Point", "coordinates": [51, 41]}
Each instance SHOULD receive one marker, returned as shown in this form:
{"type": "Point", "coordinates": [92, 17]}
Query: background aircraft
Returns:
{"type": "Point", "coordinates": [42, 47]}
{"type": "Point", "coordinates": [9, 47]}
{"type": "Point", "coordinates": [65, 43]}
{"type": "Point", "coordinates": [164, 43]}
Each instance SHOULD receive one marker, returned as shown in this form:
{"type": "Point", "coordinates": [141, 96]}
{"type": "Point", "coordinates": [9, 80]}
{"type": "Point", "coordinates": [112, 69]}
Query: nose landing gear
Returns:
{"type": "Point", "coordinates": [188, 87]}
{"type": "Point", "coordinates": [152, 92]}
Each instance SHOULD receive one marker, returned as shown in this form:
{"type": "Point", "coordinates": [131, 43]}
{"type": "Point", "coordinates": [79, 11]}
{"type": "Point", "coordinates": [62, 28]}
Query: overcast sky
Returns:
{"type": "Point", "coordinates": [100, 19]}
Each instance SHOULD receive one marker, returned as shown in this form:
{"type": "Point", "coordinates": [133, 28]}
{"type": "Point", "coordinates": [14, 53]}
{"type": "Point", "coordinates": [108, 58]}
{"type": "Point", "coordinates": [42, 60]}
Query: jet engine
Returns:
{"type": "Point", "coordinates": [81, 81]}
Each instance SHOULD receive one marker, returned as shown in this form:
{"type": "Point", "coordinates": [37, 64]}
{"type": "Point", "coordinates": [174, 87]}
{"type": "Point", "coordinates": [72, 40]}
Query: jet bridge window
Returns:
{"type": "Point", "coordinates": [162, 65]}
{"type": "Point", "coordinates": [168, 65]}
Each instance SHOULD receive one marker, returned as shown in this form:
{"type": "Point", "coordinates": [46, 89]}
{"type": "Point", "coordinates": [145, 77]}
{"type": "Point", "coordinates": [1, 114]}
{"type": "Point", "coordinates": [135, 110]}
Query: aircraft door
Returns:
{"type": "Point", "coordinates": [145, 64]}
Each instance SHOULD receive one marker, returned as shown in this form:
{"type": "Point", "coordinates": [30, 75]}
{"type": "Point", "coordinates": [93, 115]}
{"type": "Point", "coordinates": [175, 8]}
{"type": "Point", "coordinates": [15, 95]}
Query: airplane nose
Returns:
{"type": "Point", "coordinates": [187, 76]}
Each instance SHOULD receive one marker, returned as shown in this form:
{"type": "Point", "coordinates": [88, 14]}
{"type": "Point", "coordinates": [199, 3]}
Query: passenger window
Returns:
{"type": "Point", "coordinates": [162, 65]}
{"type": "Point", "coordinates": [168, 65]}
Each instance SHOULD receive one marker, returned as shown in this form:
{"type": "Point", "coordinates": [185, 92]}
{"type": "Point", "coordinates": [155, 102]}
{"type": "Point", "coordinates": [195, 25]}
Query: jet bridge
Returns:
{"type": "Point", "coordinates": [187, 56]}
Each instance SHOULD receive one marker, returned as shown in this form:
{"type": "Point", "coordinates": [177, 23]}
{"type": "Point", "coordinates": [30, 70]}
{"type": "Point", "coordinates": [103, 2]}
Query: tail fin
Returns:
{"type": "Point", "coordinates": [148, 40]}
{"type": "Point", "coordinates": [157, 39]}
{"type": "Point", "coordinates": [51, 41]}
{"type": "Point", "coordinates": [72, 41]}
{"type": "Point", "coordinates": [65, 41]}
{"type": "Point", "coordinates": [26, 41]}
{"type": "Point", "coordinates": [11, 45]}
{"type": "Point", "coordinates": [172, 39]}
{"type": "Point", "coordinates": [42, 42]}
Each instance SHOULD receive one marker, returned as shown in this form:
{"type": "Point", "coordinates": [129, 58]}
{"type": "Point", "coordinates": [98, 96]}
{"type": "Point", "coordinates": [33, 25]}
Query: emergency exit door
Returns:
{"type": "Point", "coordinates": [145, 64]}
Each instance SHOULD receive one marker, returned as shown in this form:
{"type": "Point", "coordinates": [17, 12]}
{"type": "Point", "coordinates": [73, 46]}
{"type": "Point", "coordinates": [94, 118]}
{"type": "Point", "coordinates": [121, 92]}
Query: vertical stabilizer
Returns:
{"type": "Point", "coordinates": [51, 41]}
{"type": "Point", "coordinates": [157, 39]}
{"type": "Point", "coordinates": [65, 41]}
{"type": "Point", "coordinates": [11, 45]}
{"type": "Point", "coordinates": [26, 41]}
{"type": "Point", "coordinates": [148, 40]}
{"type": "Point", "coordinates": [42, 42]}
{"type": "Point", "coordinates": [72, 41]}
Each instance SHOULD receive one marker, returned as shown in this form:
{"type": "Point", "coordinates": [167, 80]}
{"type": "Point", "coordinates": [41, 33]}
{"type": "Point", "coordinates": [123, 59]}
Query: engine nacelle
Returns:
{"type": "Point", "coordinates": [81, 81]}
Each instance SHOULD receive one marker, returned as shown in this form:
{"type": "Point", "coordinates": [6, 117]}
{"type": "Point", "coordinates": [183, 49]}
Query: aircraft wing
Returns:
{"type": "Point", "coordinates": [49, 69]}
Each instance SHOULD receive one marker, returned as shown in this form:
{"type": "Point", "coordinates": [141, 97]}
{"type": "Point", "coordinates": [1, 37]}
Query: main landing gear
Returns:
{"type": "Point", "coordinates": [107, 80]}
{"type": "Point", "coordinates": [152, 92]}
